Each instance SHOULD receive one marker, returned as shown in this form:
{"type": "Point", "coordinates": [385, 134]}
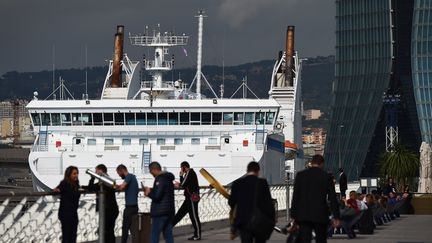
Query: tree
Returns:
{"type": "Point", "coordinates": [401, 164]}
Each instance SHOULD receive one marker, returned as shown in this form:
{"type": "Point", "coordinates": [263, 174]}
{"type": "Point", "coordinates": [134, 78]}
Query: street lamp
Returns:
{"type": "Point", "coordinates": [339, 142]}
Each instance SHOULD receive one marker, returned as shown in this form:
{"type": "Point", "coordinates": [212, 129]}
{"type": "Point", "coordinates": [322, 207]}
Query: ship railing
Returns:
{"type": "Point", "coordinates": [155, 147]}
{"type": "Point", "coordinates": [150, 84]}
{"type": "Point", "coordinates": [37, 220]}
{"type": "Point", "coordinates": [167, 40]}
{"type": "Point", "coordinates": [153, 65]}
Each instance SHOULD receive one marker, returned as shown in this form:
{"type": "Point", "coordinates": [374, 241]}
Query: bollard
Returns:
{"type": "Point", "coordinates": [140, 228]}
{"type": "Point", "coordinates": [287, 197]}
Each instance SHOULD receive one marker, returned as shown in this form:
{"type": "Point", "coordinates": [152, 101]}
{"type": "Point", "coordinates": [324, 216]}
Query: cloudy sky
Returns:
{"type": "Point", "coordinates": [237, 31]}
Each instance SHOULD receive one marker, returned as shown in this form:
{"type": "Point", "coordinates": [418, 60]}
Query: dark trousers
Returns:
{"type": "Point", "coordinates": [343, 193]}
{"type": "Point", "coordinates": [128, 213]}
{"type": "Point", "coordinates": [248, 237]}
{"type": "Point", "coordinates": [110, 219]}
{"type": "Point", "coordinates": [69, 226]}
{"type": "Point", "coordinates": [161, 224]}
{"type": "Point", "coordinates": [305, 232]}
{"type": "Point", "coordinates": [192, 208]}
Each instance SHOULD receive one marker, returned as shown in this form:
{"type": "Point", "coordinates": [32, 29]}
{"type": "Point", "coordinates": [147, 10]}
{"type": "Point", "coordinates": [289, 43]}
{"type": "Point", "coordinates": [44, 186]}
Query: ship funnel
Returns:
{"type": "Point", "coordinates": [289, 74]}
{"type": "Point", "coordinates": [118, 56]}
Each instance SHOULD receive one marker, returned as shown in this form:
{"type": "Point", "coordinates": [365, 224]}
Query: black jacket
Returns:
{"type": "Point", "coordinates": [242, 196]}
{"type": "Point", "coordinates": [162, 195]}
{"type": "Point", "coordinates": [189, 183]}
{"type": "Point", "coordinates": [109, 192]}
{"type": "Point", "coordinates": [312, 188]}
{"type": "Point", "coordinates": [343, 182]}
{"type": "Point", "coordinates": [69, 198]}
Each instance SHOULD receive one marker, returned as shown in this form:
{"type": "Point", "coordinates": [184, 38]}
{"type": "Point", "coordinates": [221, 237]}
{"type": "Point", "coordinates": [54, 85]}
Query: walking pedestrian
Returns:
{"type": "Point", "coordinates": [130, 186]}
{"type": "Point", "coordinates": [189, 183]}
{"type": "Point", "coordinates": [249, 194]}
{"type": "Point", "coordinates": [343, 183]}
{"type": "Point", "coordinates": [111, 207]}
{"type": "Point", "coordinates": [309, 208]}
{"type": "Point", "coordinates": [69, 200]}
{"type": "Point", "coordinates": [162, 206]}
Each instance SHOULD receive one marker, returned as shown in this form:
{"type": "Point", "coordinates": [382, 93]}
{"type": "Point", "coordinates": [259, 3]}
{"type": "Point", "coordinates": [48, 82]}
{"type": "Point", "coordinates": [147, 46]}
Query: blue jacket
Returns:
{"type": "Point", "coordinates": [162, 195]}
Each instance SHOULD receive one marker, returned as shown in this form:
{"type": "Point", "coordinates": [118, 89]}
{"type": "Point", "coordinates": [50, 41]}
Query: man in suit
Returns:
{"type": "Point", "coordinates": [189, 182]}
{"type": "Point", "coordinates": [309, 208]}
{"type": "Point", "coordinates": [343, 183]}
{"type": "Point", "coordinates": [244, 191]}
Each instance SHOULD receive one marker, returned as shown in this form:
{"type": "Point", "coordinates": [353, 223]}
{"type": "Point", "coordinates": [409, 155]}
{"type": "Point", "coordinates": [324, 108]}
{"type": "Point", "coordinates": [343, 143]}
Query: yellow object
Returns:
{"type": "Point", "coordinates": [214, 183]}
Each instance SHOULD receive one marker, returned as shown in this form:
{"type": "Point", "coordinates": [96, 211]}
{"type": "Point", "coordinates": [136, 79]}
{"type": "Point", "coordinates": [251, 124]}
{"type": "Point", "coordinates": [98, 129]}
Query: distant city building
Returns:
{"type": "Point", "coordinates": [309, 150]}
{"type": "Point", "coordinates": [314, 136]}
{"type": "Point", "coordinates": [312, 114]}
{"type": "Point", "coordinates": [11, 114]}
{"type": "Point", "coordinates": [382, 47]}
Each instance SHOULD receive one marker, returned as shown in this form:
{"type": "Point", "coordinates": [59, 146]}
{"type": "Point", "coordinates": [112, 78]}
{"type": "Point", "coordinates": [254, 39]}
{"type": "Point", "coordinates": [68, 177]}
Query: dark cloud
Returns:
{"type": "Point", "coordinates": [240, 30]}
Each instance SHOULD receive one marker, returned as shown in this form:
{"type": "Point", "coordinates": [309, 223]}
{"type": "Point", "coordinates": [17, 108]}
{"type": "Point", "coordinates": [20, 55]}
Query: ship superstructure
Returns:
{"type": "Point", "coordinates": [137, 121]}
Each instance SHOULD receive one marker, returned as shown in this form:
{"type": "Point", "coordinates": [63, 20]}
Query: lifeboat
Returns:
{"type": "Point", "coordinates": [290, 150]}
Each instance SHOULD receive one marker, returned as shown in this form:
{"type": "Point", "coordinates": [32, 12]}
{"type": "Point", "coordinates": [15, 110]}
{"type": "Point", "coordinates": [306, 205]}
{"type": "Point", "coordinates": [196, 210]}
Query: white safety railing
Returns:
{"type": "Point", "coordinates": [39, 223]}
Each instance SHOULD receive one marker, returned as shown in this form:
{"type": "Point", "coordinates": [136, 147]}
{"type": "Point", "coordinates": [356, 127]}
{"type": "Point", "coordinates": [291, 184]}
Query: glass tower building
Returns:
{"type": "Point", "coordinates": [375, 42]}
{"type": "Point", "coordinates": [421, 46]}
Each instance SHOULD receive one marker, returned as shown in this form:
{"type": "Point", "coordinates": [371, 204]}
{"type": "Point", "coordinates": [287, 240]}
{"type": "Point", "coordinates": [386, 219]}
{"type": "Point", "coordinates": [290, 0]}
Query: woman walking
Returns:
{"type": "Point", "coordinates": [69, 199]}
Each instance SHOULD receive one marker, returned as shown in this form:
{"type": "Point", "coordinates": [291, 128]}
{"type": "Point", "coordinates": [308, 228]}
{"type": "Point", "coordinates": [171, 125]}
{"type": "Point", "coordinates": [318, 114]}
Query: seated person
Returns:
{"type": "Point", "coordinates": [350, 214]}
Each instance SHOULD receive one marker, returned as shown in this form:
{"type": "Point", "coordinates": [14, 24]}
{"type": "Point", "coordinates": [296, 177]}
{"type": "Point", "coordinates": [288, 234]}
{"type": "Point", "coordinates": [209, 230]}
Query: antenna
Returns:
{"type": "Point", "coordinates": [86, 81]}
{"type": "Point", "coordinates": [199, 52]}
{"type": "Point", "coordinates": [53, 71]}
{"type": "Point", "coordinates": [223, 67]}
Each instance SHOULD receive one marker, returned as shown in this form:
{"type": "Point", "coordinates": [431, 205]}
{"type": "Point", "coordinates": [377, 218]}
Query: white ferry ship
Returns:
{"type": "Point", "coordinates": [137, 121]}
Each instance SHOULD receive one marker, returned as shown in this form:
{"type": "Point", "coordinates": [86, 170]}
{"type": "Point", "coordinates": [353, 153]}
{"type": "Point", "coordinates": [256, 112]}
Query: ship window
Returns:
{"type": "Point", "coordinates": [109, 141]}
{"type": "Point", "coordinates": [195, 118]}
{"type": "Point", "coordinates": [119, 119]}
{"type": "Point", "coordinates": [130, 118]}
{"type": "Point", "coordinates": [173, 118]}
{"type": "Point", "coordinates": [97, 119]}
{"type": "Point", "coordinates": [195, 141]}
{"type": "Point", "coordinates": [108, 119]}
{"type": "Point", "coordinates": [55, 119]}
{"type": "Point", "coordinates": [163, 118]}
{"type": "Point", "coordinates": [249, 118]}
{"type": "Point", "coordinates": [65, 119]}
{"type": "Point", "coordinates": [184, 118]}
{"type": "Point", "coordinates": [91, 141]}
{"type": "Point", "coordinates": [227, 118]}
{"type": "Point", "coordinates": [45, 117]}
{"type": "Point", "coordinates": [140, 118]}
{"type": "Point", "coordinates": [259, 118]}
{"type": "Point", "coordinates": [87, 119]}
{"type": "Point", "coordinates": [126, 141]}
{"type": "Point", "coordinates": [76, 119]}
{"type": "Point", "coordinates": [217, 118]}
{"type": "Point", "coordinates": [36, 119]}
{"type": "Point", "coordinates": [178, 141]}
{"type": "Point", "coordinates": [143, 141]}
{"type": "Point", "coordinates": [212, 141]}
{"type": "Point", "coordinates": [269, 118]}
{"type": "Point", "coordinates": [151, 119]}
{"type": "Point", "coordinates": [238, 118]}
{"type": "Point", "coordinates": [206, 118]}
{"type": "Point", "coordinates": [160, 141]}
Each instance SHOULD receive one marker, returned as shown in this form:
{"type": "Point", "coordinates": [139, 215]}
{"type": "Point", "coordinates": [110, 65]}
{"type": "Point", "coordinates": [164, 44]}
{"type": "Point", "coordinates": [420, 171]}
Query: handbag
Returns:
{"type": "Point", "coordinates": [194, 196]}
{"type": "Point", "coordinates": [260, 224]}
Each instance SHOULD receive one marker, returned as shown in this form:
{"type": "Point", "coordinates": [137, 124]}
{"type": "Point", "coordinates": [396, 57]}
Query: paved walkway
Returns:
{"type": "Point", "coordinates": [407, 229]}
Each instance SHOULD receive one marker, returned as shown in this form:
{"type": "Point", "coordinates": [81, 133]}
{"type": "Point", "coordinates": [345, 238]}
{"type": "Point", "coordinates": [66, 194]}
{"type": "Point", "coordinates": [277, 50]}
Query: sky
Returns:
{"type": "Point", "coordinates": [35, 33]}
